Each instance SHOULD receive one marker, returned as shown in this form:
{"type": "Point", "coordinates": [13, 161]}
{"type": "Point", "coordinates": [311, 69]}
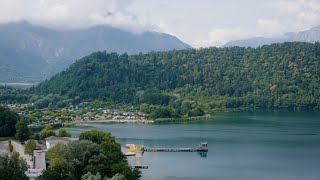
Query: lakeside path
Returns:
{"type": "Point", "coordinates": [144, 121]}
{"type": "Point", "coordinates": [4, 145]}
{"type": "Point", "coordinates": [109, 121]}
{"type": "Point", "coordinates": [20, 149]}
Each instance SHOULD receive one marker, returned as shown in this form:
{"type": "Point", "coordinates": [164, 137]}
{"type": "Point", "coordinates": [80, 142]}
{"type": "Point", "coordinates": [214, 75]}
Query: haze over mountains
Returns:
{"type": "Point", "coordinates": [312, 35]}
{"type": "Point", "coordinates": [33, 53]}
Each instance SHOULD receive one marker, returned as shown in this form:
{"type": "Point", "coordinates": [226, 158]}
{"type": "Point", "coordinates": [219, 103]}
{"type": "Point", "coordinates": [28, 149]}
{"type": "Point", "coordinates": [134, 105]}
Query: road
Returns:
{"type": "Point", "coordinates": [20, 149]}
{"type": "Point", "coordinates": [4, 145]}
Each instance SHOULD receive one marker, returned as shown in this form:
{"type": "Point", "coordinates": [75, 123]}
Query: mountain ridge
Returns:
{"type": "Point", "coordinates": [34, 52]}
{"type": "Point", "coordinates": [312, 35]}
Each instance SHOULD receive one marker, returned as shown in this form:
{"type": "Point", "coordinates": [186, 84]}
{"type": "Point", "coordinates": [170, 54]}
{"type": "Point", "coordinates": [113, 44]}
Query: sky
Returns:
{"type": "Point", "coordinates": [200, 23]}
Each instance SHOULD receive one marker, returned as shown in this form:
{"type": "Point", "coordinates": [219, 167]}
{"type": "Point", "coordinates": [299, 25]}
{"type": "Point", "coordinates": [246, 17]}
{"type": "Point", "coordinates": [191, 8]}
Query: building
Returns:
{"type": "Point", "coordinates": [52, 141]}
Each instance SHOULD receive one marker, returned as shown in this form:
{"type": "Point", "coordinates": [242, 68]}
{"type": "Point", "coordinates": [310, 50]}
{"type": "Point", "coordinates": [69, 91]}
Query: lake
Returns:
{"type": "Point", "coordinates": [242, 145]}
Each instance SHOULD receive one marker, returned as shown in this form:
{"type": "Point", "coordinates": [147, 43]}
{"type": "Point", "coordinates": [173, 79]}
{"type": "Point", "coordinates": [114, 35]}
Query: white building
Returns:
{"type": "Point", "coordinates": [52, 141]}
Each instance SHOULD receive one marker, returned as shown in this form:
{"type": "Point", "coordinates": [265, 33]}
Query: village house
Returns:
{"type": "Point", "coordinates": [52, 141]}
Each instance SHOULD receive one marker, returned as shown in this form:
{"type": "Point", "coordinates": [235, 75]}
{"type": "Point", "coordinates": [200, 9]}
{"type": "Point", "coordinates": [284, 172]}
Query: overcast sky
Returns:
{"type": "Point", "coordinates": [200, 23]}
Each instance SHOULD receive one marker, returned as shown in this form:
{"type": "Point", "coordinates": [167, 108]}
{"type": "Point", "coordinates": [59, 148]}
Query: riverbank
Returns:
{"type": "Point", "coordinates": [111, 121]}
{"type": "Point", "coordinates": [143, 121]}
{"type": "Point", "coordinates": [196, 118]}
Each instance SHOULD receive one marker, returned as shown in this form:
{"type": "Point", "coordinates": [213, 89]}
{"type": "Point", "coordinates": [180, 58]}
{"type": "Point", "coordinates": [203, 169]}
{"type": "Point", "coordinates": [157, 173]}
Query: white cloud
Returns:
{"type": "Point", "coordinates": [302, 14]}
{"type": "Point", "coordinates": [269, 28]}
{"type": "Point", "coordinates": [299, 15]}
{"type": "Point", "coordinates": [263, 28]}
{"type": "Point", "coordinates": [219, 36]}
{"type": "Point", "coordinates": [69, 14]}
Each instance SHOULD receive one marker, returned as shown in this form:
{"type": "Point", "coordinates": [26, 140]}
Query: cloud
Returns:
{"type": "Point", "coordinates": [298, 15]}
{"type": "Point", "coordinates": [219, 36]}
{"type": "Point", "coordinates": [302, 14]}
{"type": "Point", "coordinates": [71, 14]}
{"type": "Point", "coordinates": [263, 28]}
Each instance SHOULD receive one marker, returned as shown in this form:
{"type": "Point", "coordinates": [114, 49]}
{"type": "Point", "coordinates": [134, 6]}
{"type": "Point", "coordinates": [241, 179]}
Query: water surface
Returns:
{"type": "Point", "coordinates": [242, 145]}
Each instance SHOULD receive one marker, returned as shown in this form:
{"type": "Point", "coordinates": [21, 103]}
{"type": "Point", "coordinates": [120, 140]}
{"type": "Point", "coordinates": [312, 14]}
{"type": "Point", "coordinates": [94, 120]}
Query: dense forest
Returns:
{"type": "Point", "coordinates": [184, 82]}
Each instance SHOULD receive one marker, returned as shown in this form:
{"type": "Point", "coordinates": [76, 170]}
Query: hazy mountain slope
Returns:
{"type": "Point", "coordinates": [29, 52]}
{"type": "Point", "coordinates": [311, 35]}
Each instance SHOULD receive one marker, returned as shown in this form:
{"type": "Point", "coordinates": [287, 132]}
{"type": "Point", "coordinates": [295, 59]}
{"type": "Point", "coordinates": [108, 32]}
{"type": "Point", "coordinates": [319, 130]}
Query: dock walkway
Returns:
{"type": "Point", "coordinates": [169, 150]}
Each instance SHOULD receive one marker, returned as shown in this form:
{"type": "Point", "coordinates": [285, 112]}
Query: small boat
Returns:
{"type": "Point", "coordinates": [129, 154]}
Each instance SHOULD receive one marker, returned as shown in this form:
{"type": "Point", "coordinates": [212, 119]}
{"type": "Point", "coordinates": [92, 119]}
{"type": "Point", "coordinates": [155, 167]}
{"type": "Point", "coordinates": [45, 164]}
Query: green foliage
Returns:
{"type": "Point", "coordinates": [47, 132]}
{"type": "Point", "coordinates": [56, 151]}
{"type": "Point", "coordinates": [90, 176]}
{"type": "Point", "coordinates": [8, 120]}
{"type": "Point", "coordinates": [117, 177]}
{"type": "Point", "coordinates": [12, 168]}
{"type": "Point", "coordinates": [63, 133]}
{"type": "Point", "coordinates": [22, 131]}
{"type": "Point", "coordinates": [10, 95]}
{"type": "Point", "coordinates": [97, 136]}
{"type": "Point", "coordinates": [30, 147]}
{"type": "Point", "coordinates": [76, 159]}
{"type": "Point", "coordinates": [10, 146]}
{"type": "Point", "coordinates": [277, 76]}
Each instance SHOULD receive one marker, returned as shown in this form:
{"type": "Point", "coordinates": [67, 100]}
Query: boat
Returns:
{"type": "Point", "coordinates": [129, 154]}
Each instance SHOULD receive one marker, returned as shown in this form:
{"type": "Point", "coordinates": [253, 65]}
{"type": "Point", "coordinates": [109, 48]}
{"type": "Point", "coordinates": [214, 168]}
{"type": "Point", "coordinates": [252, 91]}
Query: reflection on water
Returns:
{"type": "Point", "coordinates": [203, 154]}
{"type": "Point", "coordinates": [242, 145]}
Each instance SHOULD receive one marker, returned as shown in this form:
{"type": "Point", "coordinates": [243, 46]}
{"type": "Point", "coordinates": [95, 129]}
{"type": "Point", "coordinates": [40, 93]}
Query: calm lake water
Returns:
{"type": "Point", "coordinates": [242, 145]}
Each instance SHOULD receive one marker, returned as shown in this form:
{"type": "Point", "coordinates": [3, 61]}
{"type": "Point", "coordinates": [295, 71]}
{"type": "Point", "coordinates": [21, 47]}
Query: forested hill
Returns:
{"type": "Point", "coordinates": [277, 76]}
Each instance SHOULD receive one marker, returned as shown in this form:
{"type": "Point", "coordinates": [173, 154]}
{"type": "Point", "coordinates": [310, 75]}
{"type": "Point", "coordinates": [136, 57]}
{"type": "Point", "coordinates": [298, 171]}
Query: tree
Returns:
{"type": "Point", "coordinates": [10, 146]}
{"type": "Point", "coordinates": [47, 132]}
{"type": "Point", "coordinates": [96, 136]}
{"type": "Point", "coordinates": [76, 159]}
{"type": "Point", "coordinates": [12, 167]}
{"type": "Point", "coordinates": [22, 131]}
{"type": "Point", "coordinates": [30, 147]}
{"type": "Point", "coordinates": [63, 133]}
{"type": "Point", "coordinates": [117, 177]}
{"type": "Point", "coordinates": [90, 176]}
{"type": "Point", "coordinates": [58, 169]}
{"type": "Point", "coordinates": [8, 120]}
{"type": "Point", "coordinates": [57, 151]}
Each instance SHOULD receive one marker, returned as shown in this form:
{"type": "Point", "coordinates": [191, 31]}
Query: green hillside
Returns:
{"type": "Point", "coordinates": [277, 76]}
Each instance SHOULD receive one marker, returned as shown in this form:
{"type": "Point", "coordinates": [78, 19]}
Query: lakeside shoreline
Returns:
{"type": "Point", "coordinates": [111, 121]}
{"type": "Point", "coordinates": [143, 121]}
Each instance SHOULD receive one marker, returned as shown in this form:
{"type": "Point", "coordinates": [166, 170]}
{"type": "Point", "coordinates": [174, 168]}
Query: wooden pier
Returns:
{"type": "Point", "coordinates": [203, 147]}
{"type": "Point", "coordinates": [169, 150]}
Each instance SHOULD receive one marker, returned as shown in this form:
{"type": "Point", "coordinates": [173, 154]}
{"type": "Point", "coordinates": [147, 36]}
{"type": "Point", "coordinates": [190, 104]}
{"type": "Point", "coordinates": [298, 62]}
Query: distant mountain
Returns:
{"type": "Point", "coordinates": [311, 35]}
{"type": "Point", "coordinates": [33, 53]}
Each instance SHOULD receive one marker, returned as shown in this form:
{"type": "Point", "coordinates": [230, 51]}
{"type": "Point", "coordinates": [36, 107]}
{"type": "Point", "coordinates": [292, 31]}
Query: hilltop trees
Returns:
{"type": "Point", "coordinates": [278, 76]}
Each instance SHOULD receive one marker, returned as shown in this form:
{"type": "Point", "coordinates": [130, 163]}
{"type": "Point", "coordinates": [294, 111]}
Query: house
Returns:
{"type": "Point", "coordinates": [41, 144]}
{"type": "Point", "coordinates": [52, 141]}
